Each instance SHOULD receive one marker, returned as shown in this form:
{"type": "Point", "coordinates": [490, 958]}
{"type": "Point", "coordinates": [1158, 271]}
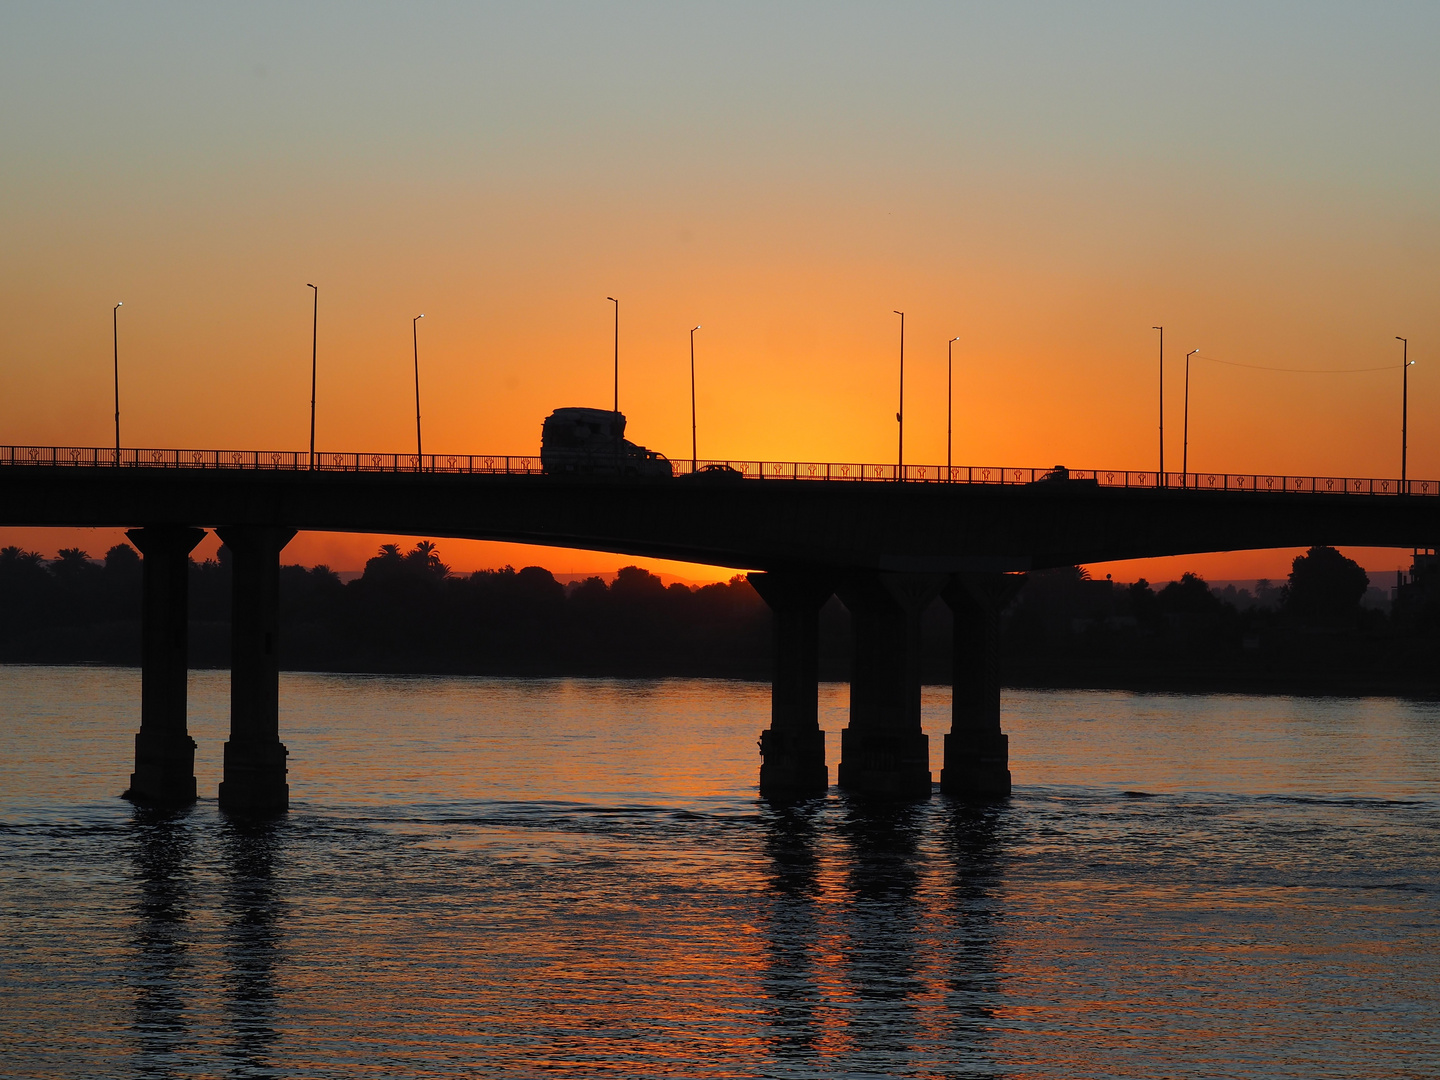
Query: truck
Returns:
{"type": "Point", "coordinates": [591, 442]}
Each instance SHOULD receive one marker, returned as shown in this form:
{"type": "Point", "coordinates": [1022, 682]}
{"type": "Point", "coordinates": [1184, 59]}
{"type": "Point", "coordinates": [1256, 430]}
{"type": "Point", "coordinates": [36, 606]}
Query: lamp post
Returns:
{"type": "Point", "coordinates": [1161, 478]}
{"type": "Point", "coordinates": [415, 340]}
{"type": "Point", "coordinates": [1404, 403]}
{"type": "Point", "coordinates": [617, 352]}
{"type": "Point", "coordinates": [1185, 443]}
{"type": "Point", "coordinates": [900, 416]}
{"type": "Point", "coordinates": [694, 453]}
{"type": "Point", "coordinates": [115, 331]}
{"type": "Point", "coordinates": [949, 402]}
{"type": "Point", "coordinates": [314, 340]}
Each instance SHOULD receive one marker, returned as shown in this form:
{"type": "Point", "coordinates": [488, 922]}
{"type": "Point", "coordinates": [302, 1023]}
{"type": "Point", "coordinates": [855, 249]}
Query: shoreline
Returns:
{"type": "Point", "coordinates": [1240, 685]}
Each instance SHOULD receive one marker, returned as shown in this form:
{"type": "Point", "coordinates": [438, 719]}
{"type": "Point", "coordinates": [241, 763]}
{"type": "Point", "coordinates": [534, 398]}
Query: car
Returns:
{"type": "Point", "coordinates": [715, 472]}
{"type": "Point", "coordinates": [1061, 475]}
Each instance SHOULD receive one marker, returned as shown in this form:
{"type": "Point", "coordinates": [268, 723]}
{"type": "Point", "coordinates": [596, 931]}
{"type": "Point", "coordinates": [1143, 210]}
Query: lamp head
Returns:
{"type": "Point", "coordinates": [309, 286]}
{"type": "Point", "coordinates": [954, 339]}
{"type": "Point", "coordinates": [120, 304]}
{"type": "Point", "coordinates": [612, 299]}
{"type": "Point", "coordinates": [900, 313]}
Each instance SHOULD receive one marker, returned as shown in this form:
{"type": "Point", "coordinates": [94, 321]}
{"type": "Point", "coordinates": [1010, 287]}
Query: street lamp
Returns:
{"type": "Point", "coordinates": [1404, 403]}
{"type": "Point", "coordinates": [1185, 444]}
{"type": "Point", "coordinates": [949, 401]}
{"type": "Point", "coordinates": [617, 351]}
{"type": "Point", "coordinates": [1161, 477]}
{"type": "Point", "coordinates": [314, 339]}
{"type": "Point", "coordinates": [115, 328]}
{"type": "Point", "coordinates": [900, 416]}
{"type": "Point", "coordinates": [415, 339]}
{"type": "Point", "coordinates": [694, 454]}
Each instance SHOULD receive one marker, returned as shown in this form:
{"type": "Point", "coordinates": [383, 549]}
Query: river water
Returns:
{"type": "Point", "coordinates": [574, 878]}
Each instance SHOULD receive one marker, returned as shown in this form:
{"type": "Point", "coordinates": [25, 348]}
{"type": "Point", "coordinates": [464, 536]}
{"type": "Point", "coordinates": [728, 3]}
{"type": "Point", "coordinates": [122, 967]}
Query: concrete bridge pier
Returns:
{"type": "Point", "coordinates": [792, 748]}
{"type": "Point", "coordinates": [254, 778]}
{"type": "Point", "coordinates": [977, 752]}
{"type": "Point", "coordinates": [883, 751]}
{"type": "Point", "coordinates": [164, 751]}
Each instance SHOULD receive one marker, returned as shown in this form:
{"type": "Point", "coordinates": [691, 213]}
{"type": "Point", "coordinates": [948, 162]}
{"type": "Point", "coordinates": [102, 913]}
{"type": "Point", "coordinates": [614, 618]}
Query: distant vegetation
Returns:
{"type": "Point", "coordinates": [1310, 634]}
{"type": "Point", "coordinates": [408, 613]}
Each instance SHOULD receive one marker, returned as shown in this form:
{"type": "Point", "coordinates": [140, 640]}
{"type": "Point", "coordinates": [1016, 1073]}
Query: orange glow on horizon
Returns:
{"type": "Point", "coordinates": [1047, 204]}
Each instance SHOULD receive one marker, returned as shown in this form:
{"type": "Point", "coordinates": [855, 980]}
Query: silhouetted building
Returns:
{"type": "Point", "coordinates": [1415, 599]}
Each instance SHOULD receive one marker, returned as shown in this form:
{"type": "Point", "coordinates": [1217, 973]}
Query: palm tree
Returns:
{"type": "Point", "coordinates": [427, 556]}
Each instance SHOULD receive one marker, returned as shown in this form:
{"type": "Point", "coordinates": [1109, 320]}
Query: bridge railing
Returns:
{"type": "Point", "coordinates": [529, 465]}
{"type": "Point", "coordinates": [995, 474]}
{"type": "Point", "coordinates": [290, 460]}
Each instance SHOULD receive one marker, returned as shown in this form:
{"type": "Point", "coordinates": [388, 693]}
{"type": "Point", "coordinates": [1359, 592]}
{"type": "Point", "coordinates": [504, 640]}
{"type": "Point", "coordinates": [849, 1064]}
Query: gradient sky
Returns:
{"type": "Point", "coordinates": [1046, 181]}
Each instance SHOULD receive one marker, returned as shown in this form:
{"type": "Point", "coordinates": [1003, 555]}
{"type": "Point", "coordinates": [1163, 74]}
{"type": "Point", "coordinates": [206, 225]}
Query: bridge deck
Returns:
{"type": "Point", "coordinates": [792, 517]}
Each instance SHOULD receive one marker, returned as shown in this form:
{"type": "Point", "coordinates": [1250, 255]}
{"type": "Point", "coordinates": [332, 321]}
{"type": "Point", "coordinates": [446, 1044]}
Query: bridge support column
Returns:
{"type": "Point", "coordinates": [164, 751]}
{"type": "Point", "coordinates": [884, 751]}
{"type": "Point", "coordinates": [254, 778]}
{"type": "Point", "coordinates": [977, 752]}
{"type": "Point", "coordinates": [792, 748]}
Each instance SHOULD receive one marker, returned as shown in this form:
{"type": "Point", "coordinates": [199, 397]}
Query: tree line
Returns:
{"type": "Point", "coordinates": [407, 612]}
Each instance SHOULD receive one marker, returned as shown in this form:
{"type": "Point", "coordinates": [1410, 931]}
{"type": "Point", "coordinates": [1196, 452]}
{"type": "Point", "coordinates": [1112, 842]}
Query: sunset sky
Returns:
{"type": "Point", "coordinates": [1045, 182]}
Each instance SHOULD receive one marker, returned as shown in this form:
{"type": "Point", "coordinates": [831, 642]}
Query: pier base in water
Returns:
{"type": "Point", "coordinates": [977, 752]}
{"type": "Point", "coordinates": [883, 751]}
{"type": "Point", "coordinates": [254, 782]}
{"type": "Point", "coordinates": [164, 751]}
{"type": "Point", "coordinates": [792, 748]}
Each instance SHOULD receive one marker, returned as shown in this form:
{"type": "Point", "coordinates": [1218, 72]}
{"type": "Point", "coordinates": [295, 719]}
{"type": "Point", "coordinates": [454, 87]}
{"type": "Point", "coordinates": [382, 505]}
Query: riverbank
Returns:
{"type": "Point", "coordinates": [1018, 675]}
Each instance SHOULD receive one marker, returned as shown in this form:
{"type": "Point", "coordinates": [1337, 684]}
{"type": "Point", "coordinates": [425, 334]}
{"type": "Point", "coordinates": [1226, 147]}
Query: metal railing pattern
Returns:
{"type": "Point", "coordinates": [529, 465]}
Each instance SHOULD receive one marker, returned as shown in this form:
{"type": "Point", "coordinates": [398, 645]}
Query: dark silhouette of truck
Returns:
{"type": "Point", "coordinates": [591, 442]}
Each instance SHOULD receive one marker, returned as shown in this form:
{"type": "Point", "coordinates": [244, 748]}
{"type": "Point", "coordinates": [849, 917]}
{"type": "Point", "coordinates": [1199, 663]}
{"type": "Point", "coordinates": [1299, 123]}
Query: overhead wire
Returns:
{"type": "Point", "coordinates": [1296, 371]}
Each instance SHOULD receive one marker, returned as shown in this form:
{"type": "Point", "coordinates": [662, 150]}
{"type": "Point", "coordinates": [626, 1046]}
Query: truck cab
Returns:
{"type": "Point", "coordinates": [591, 442]}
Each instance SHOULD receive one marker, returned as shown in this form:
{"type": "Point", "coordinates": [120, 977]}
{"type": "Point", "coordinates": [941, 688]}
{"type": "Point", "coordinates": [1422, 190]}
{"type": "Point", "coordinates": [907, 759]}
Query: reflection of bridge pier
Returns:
{"type": "Point", "coordinates": [165, 894]}
{"type": "Point", "coordinates": [253, 940]}
{"type": "Point", "coordinates": [884, 752]}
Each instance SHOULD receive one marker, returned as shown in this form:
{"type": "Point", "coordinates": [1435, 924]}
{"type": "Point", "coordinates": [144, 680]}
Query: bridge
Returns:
{"type": "Point", "coordinates": [887, 540]}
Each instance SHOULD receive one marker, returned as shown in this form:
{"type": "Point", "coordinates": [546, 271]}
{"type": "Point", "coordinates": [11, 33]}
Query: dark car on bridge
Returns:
{"type": "Point", "coordinates": [591, 442]}
{"type": "Point", "coordinates": [1061, 475]}
{"type": "Point", "coordinates": [715, 472]}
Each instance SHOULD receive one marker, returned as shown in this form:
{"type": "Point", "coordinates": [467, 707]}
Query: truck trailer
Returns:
{"type": "Point", "coordinates": [591, 442]}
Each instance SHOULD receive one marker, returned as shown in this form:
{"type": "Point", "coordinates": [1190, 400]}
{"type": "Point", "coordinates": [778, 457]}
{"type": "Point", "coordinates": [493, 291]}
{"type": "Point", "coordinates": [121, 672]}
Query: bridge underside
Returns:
{"type": "Point", "coordinates": [886, 549]}
{"type": "Point", "coordinates": [754, 524]}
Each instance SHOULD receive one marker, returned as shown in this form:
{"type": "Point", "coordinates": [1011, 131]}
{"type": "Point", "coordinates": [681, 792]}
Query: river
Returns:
{"type": "Point", "coordinates": [574, 878]}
